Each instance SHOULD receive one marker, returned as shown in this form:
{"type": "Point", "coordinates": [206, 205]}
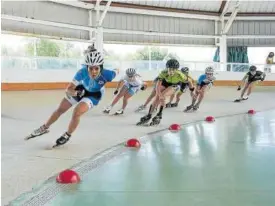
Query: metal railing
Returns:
{"type": "Point", "coordinates": [55, 63]}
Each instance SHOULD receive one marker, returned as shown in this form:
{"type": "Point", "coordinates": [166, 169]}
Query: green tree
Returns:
{"type": "Point", "coordinates": [111, 55]}
{"type": "Point", "coordinates": [44, 47]}
{"type": "Point", "coordinates": [156, 53]}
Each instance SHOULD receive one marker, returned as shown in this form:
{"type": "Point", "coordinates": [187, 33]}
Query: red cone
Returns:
{"type": "Point", "coordinates": [133, 143]}
{"type": "Point", "coordinates": [251, 111]}
{"type": "Point", "coordinates": [68, 177]}
{"type": "Point", "coordinates": [174, 127]}
{"type": "Point", "coordinates": [210, 119]}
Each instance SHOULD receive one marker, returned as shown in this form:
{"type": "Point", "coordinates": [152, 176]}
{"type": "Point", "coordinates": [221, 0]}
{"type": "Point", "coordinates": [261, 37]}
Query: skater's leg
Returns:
{"type": "Point", "coordinates": [165, 93]}
{"type": "Point", "coordinates": [244, 89]}
{"type": "Point", "coordinates": [63, 107]}
{"type": "Point", "coordinates": [82, 107]}
{"type": "Point", "coordinates": [121, 93]}
{"type": "Point", "coordinates": [172, 98]}
{"type": "Point", "coordinates": [126, 97]}
{"type": "Point", "coordinates": [79, 110]}
{"type": "Point", "coordinates": [249, 90]}
{"type": "Point", "coordinates": [178, 96]}
{"type": "Point", "coordinates": [200, 97]}
{"type": "Point", "coordinates": [119, 96]}
{"type": "Point", "coordinates": [152, 95]}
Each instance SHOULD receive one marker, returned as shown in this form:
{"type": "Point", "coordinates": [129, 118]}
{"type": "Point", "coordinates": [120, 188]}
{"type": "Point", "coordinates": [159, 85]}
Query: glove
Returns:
{"type": "Point", "coordinates": [115, 92]}
{"type": "Point", "coordinates": [80, 91]}
{"type": "Point", "coordinates": [143, 87]}
{"type": "Point", "coordinates": [239, 88]}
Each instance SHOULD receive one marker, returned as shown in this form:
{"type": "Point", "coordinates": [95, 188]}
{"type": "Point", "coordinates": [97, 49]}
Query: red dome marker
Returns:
{"type": "Point", "coordinates": [68, 177]}
{"type": "Point", "coordinates": [133, 143]}
{"type": "Point", "coordinates": [210, 119]}
{"type": "Point", "coordinates": [174, 127]}
{"type": "Point", "coordinates": [251, 111]}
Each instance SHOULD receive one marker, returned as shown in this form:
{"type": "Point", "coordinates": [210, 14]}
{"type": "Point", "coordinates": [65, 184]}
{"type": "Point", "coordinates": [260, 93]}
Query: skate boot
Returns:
{"type": "Point", "coordinates": [38, 132]}
{"type": "Point", "coordinates": [62, 140]}
{"type": "Point", "coordinates": [188, 108]}
{"type": "Point", "coordinates": [174, 104]}
{"type": "Point", "coordinates": [196, 107]}
{"type": "Point", "coordinates": [107, 110]}
{"type": "Point", "coordinates": [144, 119]}
{"type": "Point", "coordinates": [245, 98]}
{"type": "Point", "coordinates": [156, 120]}
{"type": "Point", "coordinates": [238, 100]}
{"type": "Point", "coordinates": [119, 112]}
{"type": "Point", "coordinates": [168, 105]}
{"type": "Point", "coordinates": [140, 108]}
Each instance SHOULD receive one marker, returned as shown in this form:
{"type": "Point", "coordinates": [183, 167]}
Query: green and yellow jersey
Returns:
{"type": "Point", "coordinates": [172, 80]}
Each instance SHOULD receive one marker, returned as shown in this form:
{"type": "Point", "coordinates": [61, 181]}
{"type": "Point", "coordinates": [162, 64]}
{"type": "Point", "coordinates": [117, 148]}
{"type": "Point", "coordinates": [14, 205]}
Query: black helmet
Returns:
{"type": "Point", "coordinates": [184, 69]}
{"type": "Point", "coordinates": [271, 54]}
{"type": "Point", "coordinates": [172, 64]}
{"type": "Point", "coordinates": [252, 68]}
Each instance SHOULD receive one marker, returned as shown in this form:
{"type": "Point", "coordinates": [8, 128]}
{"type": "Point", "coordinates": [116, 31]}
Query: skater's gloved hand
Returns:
{"type": "Point", "coordinates": [115, 92]}
{"type": "Point", "coordinates": [239, 88]}
{"type": "Point", "coordinates": [192, 89]}
{"type": "Point", "coordinates": [80, 93]}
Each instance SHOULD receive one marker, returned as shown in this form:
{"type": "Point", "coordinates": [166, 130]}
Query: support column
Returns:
{"type": "Point", "coordinates": [99, 39]}
{"type": "Point", "coordinates": [223, 53]}
{"type": "Point", "coordinates": [150, 58]}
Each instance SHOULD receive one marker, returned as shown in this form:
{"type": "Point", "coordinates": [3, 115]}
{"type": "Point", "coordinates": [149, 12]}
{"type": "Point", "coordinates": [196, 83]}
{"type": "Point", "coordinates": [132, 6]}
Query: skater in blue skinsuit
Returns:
{"type": "Point", "coordinates": [85, 91]}
{"type": "Point", "coordinates": [205, 81]}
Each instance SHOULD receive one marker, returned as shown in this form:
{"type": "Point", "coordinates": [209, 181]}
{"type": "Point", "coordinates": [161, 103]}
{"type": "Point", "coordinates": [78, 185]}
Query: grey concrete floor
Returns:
{"type": "Point", "coordinates": [25, 164]}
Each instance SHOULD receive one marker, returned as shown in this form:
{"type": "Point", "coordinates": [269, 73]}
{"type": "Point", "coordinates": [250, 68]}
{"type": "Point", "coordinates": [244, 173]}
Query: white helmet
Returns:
{"type": "Point", "coordinates": [209, 70]}
{"type": "Point", "coordinates": [94, 58]}
{"type": "Point", "coordinates": [130, 72]}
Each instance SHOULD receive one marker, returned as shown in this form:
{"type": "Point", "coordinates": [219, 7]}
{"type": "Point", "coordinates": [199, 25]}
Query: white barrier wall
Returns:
{"type": "Point", "coordinates": [53, 75]}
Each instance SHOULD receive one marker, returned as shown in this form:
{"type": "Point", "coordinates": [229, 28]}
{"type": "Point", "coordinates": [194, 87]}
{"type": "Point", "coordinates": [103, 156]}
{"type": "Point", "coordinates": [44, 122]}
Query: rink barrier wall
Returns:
{"type": "Point", "coordinates": [25, 79]}
{"type": "Point", "coordinates": [62, 85]}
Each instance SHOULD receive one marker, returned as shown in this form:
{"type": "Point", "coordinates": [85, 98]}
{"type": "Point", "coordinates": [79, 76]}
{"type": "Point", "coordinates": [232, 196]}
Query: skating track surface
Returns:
{"type": "Point", "coordinates": [228, 162]}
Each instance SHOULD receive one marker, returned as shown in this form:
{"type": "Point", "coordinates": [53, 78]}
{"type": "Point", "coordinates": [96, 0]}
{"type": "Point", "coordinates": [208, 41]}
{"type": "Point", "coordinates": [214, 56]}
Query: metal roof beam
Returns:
{"type": "Point", "coordinates": [104, 12]}
{"type": "Point", "coordinates": [231, 19]}
{"type": "Point", "coordinates": [148, 33]}
{"type": "Point", "coordinates": [161, 13]}
{"type": "Point", "coordinates": [78, 4]}
{"type": "Point", "coordinates": [48, 23]}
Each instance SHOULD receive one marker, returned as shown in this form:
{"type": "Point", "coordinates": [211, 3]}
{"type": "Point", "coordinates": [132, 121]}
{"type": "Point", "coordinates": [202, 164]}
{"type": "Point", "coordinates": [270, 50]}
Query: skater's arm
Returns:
{"type": "Point", "coordinates": [158, 86]}
{"type": "Point", "coordinates": [70, 90]}
{"type": "Point", "coordinates": [243, 80]}
{"type": "Point", "coordinates": [119, 84]}
{"type": "Point", "coordinates": [191, 84]}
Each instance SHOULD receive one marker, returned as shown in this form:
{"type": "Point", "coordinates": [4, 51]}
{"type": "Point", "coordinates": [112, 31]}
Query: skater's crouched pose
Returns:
{"type": "Point", "coordinates": [205, 81]}
{"type": "Point", "coordinates": [85, 91]}
{"type": "Point", "coordinates": [128, 86]}
{"type": "Point", "coordinates": [182, 88]}
{"type": "Point", "coordinates": [168, 81]}
{"type": "Point", "coordinates": [249, 80]}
